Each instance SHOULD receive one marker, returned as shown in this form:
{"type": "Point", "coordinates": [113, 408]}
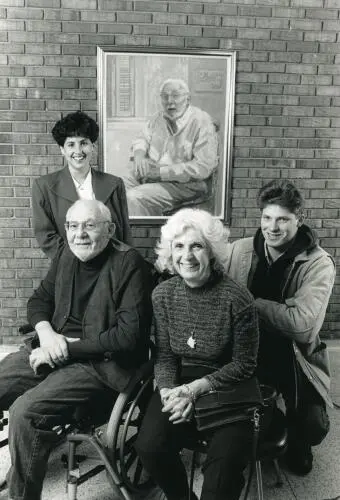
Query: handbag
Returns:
{"type": "Point", "coordinates": [236, 402]}
{"type": "Point", "coordinates": [243, 401]}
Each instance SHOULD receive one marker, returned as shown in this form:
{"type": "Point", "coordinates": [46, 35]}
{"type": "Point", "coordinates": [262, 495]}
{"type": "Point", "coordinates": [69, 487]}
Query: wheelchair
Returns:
{"type": "Point", "coordinates": [110, 430]}
{"type": "Point", "coordinates": [113, 442]}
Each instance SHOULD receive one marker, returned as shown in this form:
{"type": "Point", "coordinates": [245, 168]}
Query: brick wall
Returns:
{"type": "Point", "coordinates": [287, 117]}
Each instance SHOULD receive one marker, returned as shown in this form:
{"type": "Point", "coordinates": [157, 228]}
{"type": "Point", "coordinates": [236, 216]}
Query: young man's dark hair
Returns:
{"type": "Point", "coordinates": [76, 124]}
{"type": "Point", "coordinates": [283, 193]}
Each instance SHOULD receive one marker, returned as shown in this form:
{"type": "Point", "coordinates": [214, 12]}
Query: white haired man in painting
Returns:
{"type": "Point", "coordinates": [174, 156]}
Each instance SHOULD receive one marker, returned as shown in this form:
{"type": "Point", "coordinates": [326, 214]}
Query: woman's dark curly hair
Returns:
{"type": "Point", "coordinates": [76, 124]}
{"type": "Point", "coordinates": [283, 193]}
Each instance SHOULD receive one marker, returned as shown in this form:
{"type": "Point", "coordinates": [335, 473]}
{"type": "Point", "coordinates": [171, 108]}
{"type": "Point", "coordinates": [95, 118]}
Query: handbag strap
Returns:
{"type": "Point", "coordinates": [256, 432]}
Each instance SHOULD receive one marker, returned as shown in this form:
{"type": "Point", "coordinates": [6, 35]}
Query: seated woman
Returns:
{"type": "Point", "coordinates": [206, 337]}
{"type": "Point", "coordinates": [53, 194]}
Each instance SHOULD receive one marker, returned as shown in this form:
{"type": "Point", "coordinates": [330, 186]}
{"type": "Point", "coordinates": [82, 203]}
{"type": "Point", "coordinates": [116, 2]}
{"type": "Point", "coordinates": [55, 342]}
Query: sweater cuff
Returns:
{"type": "Point", "coordinates": [85, 349]}
{"type": "Point", "coordinates": [35, 318]}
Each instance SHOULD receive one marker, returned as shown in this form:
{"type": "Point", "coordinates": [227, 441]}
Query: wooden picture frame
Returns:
{"type": "Point", "coordinates": [187, 154]}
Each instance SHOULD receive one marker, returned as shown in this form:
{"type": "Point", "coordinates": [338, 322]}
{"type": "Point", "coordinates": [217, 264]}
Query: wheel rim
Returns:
{"type": "Point", "coordinates": [131, 468]}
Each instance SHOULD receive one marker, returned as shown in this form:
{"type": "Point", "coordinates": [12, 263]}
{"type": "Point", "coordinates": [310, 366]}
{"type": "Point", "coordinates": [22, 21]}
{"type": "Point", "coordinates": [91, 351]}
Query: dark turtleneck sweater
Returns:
{"type": "Point", "coordinates": [85, 279]}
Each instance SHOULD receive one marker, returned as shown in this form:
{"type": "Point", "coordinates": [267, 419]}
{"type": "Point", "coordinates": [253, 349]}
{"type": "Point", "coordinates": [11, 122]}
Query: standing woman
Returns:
{"type": "Point", "coordinates": [53, 194]}
{"type": "Point", "coordinates": [206, 337]}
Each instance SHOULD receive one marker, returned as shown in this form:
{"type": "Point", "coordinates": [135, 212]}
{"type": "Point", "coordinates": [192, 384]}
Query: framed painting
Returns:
{"type": "Point", "coordinates": [166, 121]}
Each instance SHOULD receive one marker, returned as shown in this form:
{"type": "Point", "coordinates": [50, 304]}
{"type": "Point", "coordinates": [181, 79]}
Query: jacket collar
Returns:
{"type": "Point", "coordinates": [63, 185]}
{"type": "Point", "coordinates": [302, 246]}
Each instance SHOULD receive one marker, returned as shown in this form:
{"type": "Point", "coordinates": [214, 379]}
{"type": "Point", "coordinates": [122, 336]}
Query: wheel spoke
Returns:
{"type": "Point", "coordinates": [138, 472]}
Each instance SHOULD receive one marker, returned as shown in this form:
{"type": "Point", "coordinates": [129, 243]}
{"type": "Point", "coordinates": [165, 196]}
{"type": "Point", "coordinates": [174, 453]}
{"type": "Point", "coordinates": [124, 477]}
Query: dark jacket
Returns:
{"type": "Point", "coordinates": [116, 322]}
{"type": "Point", "coordinates": [52, 196]}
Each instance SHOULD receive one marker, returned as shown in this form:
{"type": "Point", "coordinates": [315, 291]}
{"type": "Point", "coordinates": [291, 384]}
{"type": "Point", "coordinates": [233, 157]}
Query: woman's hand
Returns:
{"type": "Point", "coordinates": [179, 402]}
{"type": "Point", "coordinates": [181, 409]}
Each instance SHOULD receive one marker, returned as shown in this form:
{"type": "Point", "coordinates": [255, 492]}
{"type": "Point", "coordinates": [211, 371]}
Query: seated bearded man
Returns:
{"type": "Point", "coordinates": [91, 314]}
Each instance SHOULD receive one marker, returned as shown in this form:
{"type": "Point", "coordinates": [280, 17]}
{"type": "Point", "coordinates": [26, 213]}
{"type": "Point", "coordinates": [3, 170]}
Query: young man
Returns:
{"type": "Point", "coordinates": [91, 315]}
{"type": "Point", "coordinates": [291, 278]}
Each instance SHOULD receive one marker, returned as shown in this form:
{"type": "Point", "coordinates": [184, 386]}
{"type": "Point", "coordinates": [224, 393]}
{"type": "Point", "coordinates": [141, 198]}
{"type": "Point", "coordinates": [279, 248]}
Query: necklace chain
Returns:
{"type": "Point", "coordinates": [191, 342]}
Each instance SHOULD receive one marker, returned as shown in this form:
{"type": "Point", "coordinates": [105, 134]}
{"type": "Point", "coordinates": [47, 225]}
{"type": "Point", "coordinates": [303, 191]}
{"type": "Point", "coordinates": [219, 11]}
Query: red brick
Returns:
{"type": "Point", "coordinates": [207, 43]}
{"type": "Point", "coordinates": [43, 49]}
{"type": "Point", "coordinates": [79, 49]}
{"type": "Point", "coordinates": [169, 18]}
{"type": "Point", "coordinates": [116, 28]}
{"type": "Point", "coordinates": [88, 83]}
{"type": "Point", "coordinates": [62, 38]}
{"type": "Point", "coordinates": [286, 35]}
{"type": "Point", "coordinates": [239, 22]}
{"type": "Point", "coordinates": [43, 3]}
{"type": "Point", "coordinates": [43, 26]}
{"type": "Point", "coordinates": [151, 29]}
{"type": "Point", "coordinates": [78, 27]}
{"type": "Point", "coordinates": [254, 34]}
{"type": "Point", "coordinates": [12, 48]}
{"type": "Point", "coordinates": [68, 83]}
{"type": "Point", "coordinates": [29, 127]}
{"type": "Point", "coordinates": [273, 24]}
{"type": "Point", "coordinates": [99, 16]}
{"type": "Point", "coordinates": [12, 93]}
{"type": "Point", "coordinates": [42, 138]}
{"type": "Point", "coordinates": [166, 41]}
{"type": "Point", "coordinates": [212, 31]}
{"type": "Point", "coordinates": [26, 82]}
{"type": "Point", "coordinates": [131, 40]}
{"type": "Point", "coordinates": [26, 13]}
{"type": "Point", "coordinates": [115, 5]}
{"type": "Point", "coordinates": [13, 3]}
{"type": "Point", "coordinates": [63, 105]}
{"type": "Point", "coordinates": [79, 4]}
{"type": "Point", "coordinates": [43, 116]}
{"type": "Point", "coordinates": [151, 6]}
{"type": "Point", "coordinates": [11, 25]}
{"type": "Point", "coordinates": [222, 9]}
{"type": "Point", "coordinates": [62, 15]}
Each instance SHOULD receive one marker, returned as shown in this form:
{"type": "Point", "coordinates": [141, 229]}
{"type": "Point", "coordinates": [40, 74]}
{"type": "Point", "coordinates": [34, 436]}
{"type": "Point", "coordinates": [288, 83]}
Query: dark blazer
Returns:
{"type": "Point", "coordinates": [52, 196]}
{"type": "Point", "coordinates": [117, 317]}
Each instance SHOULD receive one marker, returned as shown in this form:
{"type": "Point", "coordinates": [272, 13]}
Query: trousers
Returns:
{"type": "Point", "coordinates": [155, 198]}
{"type": "Point", "coordinates": [36, 404]}
{"type": "Point", "coordinates": [159, 444]}
{"type": "Point", "coordinates": [307, 418]}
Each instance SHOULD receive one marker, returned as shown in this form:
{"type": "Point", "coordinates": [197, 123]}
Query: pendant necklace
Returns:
{"type": "Point", "coordinates": [191, 342]}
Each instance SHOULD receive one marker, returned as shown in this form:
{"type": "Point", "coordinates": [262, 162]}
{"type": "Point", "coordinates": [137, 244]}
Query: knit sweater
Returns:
{"type": "Point", "coordinates": [222, 319]}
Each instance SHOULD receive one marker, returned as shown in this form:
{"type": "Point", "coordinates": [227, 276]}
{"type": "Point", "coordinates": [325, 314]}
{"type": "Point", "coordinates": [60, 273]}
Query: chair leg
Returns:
{"type": "Point", "coordinates": [259, 480]}
{"type": "Point", "coordinates": [279, 481]}
{"type": "Point", "coordinates": [192, 473]}
{"type": "Point", "coordinates": [72, 472]}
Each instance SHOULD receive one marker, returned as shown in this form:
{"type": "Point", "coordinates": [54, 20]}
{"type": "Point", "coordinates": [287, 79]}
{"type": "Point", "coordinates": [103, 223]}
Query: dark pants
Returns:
{"type": "Point", "coordinates": [308, 423]}
{"type": "Point", "coordinates": [229, 450]}
{"type": "Point", "coordinates": [307, 419]}
{"type": "Point", "coordinates": [36, 404]}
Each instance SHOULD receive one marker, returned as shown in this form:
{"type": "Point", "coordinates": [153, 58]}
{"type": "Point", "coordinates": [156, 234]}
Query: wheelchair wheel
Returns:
{"type": "Point", "coordinates": [121, 434]}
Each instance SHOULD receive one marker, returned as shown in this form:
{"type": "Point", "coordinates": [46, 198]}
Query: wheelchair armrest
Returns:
{"type": "Point", "coordinates": [24, 329]}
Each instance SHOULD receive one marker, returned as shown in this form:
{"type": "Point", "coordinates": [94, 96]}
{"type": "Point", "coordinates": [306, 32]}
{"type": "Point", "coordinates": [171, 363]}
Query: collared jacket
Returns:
{"type": "Point", "coordinates": [189, 155]}
{"type": "Point", "coordinates": [300, 314]}
{"type": "Point", "coordinates": [116, 322]}
{"type": "Point", "coordinates": [53, 194]}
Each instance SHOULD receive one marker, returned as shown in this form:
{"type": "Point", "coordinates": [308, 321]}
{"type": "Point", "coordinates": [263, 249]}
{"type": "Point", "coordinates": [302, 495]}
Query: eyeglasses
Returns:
{"type": "Point", "coordinates": [176, 96]}
{"type": "Point", "coordinates": [88, 225]}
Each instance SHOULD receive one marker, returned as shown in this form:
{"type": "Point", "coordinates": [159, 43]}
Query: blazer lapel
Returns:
{"type": "Point", "coordinates": [64, 186]}
{"type": "Point", "coordinates": [102, 187]}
